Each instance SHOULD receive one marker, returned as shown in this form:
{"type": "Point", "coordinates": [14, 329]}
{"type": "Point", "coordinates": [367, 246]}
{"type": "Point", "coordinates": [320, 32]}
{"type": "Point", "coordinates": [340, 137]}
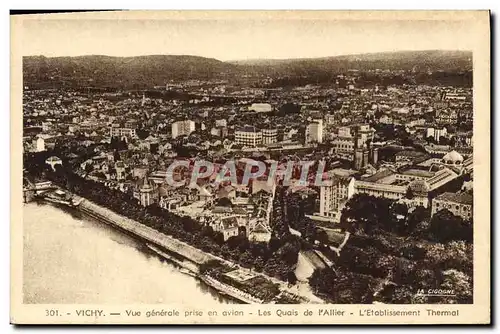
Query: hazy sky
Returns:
{"type": "Point", "coordinates": [239, 39]}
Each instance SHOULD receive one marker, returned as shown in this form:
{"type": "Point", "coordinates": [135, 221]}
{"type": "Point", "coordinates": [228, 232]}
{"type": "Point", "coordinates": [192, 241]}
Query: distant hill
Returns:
{"type": "Point", "coordinates": [147, 71]}
{"type": "Point", "coordinates": [120, 71]}
{"type": "Point", "coordinates": [430, 60]}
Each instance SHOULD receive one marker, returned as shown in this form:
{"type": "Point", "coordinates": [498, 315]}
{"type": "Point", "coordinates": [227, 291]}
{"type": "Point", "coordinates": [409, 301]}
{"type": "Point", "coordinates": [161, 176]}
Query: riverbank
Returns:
{"type": "Point", "coordinates": [72, 258]}
{"type": "Point", "coordinates": [194, 256]}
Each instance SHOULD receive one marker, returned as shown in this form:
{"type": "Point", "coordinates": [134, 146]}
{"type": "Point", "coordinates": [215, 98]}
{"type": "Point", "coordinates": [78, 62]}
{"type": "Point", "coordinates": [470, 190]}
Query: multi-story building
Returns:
{"type": "Point", "coordinates": [436, 133]}
{"type": "Point", "coordinates": [335, 195]}
{"type": "Point", "coordinates": [460, 204]}
{"type": "Point", "coordinates": [182, 128]}
{"type": "Point", "coordinates": [348, 139]}
{"type": "Point", "coordinates": [447, 116]}
{"type": "Point", "coordinates": [364, 134]}
{"type": "Point", "coordinates": [314, 132]}
{"type": "Point", "coordinates": [118, 131]}
{"type": "Point", "coordinates": [382, 184]}
{"type": "Point", "coordinates": [269, 136]}
{"type": "Point", "coordinates": [248, 136]}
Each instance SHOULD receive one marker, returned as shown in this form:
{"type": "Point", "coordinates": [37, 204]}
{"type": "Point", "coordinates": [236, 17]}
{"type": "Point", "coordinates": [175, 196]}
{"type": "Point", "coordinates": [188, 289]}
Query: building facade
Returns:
{"type": "Point", "coordinates": [117, 131]}
{"type": "Point", "coordinates": [314, 132]}
{"type": "Point", "coordinates": [182, 128]}
{"type": "Point", "coordinates": [269, 136]}
{"type": "Point", "coordinates": [460, 204]}
{"type": "Point", "coordinates": [334, 196]}
{"type": "Point", "coordinates": [248, 136]}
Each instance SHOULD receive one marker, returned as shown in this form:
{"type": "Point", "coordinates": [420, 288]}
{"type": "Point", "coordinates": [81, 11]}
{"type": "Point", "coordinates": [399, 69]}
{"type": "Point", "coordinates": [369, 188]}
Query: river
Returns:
{"type": "Point", "coordinates": [71, 258]}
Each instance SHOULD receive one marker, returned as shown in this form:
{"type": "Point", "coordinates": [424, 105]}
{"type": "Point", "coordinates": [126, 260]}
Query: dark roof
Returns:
{"type": "Point", "coordinates": [462, 198]}
{"type": "Point", "coordinates": [379, 175]}
{"type": "Point", "coordinates": [408, 153]}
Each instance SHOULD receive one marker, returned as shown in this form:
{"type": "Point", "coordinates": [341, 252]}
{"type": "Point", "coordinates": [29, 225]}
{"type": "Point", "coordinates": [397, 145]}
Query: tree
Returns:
{"type": "Point", "coordinates": [364, 213]}
{"type": "Point", "coordinates": [418, 220]}
{"type": "Point", "coordinates": [460, 284]}
{"type": "Point", "coordinates": [409, 193]}
{"type": "Point", "coordinates": [322, 236]}
{"type": "Point", "coordinates": [398, 222]}
{"type": "Point", "coordinates": [445, 227]}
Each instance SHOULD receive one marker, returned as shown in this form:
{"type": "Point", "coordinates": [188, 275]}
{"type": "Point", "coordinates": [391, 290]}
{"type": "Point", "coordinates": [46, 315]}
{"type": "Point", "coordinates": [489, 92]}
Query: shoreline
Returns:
{"type": "Point", "coordinates": [192, 257]}
{"type": "Point", "coordinates": [187, 263]}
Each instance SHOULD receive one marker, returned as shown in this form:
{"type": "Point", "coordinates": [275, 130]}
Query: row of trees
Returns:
{"type": "Point", "coordinates": [277, 258]}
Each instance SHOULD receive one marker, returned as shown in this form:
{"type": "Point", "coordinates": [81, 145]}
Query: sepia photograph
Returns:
{"type": "Point", "coordinates": [210, 159]}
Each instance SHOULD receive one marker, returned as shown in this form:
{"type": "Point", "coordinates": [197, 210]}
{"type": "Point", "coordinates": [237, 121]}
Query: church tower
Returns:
{"type": "Point", "coordinates": [146, 193]}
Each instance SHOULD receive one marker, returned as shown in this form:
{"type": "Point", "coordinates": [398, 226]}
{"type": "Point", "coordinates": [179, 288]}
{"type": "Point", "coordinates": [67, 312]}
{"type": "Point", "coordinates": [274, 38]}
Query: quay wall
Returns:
{"type": "Point", "coordinates": [145, 232]}
{"type": "Point", "coordinates": [178, 247]}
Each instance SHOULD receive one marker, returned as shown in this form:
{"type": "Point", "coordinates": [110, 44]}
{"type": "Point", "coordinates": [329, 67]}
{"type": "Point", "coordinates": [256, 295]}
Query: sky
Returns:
{"type": "Point", "coordinates": [239, 39]}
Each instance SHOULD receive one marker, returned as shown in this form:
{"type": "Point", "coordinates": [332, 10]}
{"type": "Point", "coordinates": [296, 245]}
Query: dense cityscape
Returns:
{"type": "Point", "coordinates": [394, 140]}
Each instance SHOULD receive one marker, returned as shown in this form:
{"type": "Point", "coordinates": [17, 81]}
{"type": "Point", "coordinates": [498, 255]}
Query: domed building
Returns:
{"type": "Point", "coordinates": [419, 187]}
{"type": "Point", "coordinates": [417, 194]}
{"type": "Point", "coordinates": [453, 158]}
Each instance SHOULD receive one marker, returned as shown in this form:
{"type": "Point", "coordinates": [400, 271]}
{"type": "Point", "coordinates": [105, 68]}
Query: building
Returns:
{"type": "Point", "coordinates": [120, 171]}
{"type": "Point", "coordinates": [361, 158]}
{"type": "Point", "coordinates": [354, 143]}
{"type": "Point", "coordinates": [182, 128]}
{"type": "Point", "coordinates": [220, 122]}
{"type": "Point", "coordinates": [447, 116]}
{"type": "Point", "coordinates": [382, 184]}
{"type": "Point", "coordinates": [436, 133]}
{"type": "Point", "coordinates": [260, 107]}
{"type": "Point", "coordinates": [314, 132]}
{"type": "Point", "coordinates": [409, 157]}
{"type": "Point", "coordinates": [228, 226]}
{"type": "Point", "coordinates": [40, 144]}
{"type": "Point", "coordinates": [146, 193]}
{"type": "Point", "coordinates": [116, 130]}
{"type": "Point", "coordinates": [364, 135]}
{"type": "Point", "coordinates": [460, 204]}
{"type": "Point", "coordinates": [344, 142]}
{"type": "Point", "coordinates": [334, 196]}
{"type": "Point", "coordinates": [452, 158]}
{"type": "Point", "coordinates": [417, 194]}
{"type": "Point", "coordinates": [269, 136]}
{"type": "Point", "coordinates": [248, 136]}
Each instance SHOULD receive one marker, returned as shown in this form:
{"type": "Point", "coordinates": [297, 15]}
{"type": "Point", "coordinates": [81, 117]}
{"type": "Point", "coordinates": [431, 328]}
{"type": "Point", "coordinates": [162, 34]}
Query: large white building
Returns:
{"type": "Point", "coordinates": [260, 107]}
{"type": "Point", "coordinates": [314, 132]}
{"type": "Point", "coordinates": [182, 128]}
{"type": "Point", "coordinates": [334, 196]}
{"type": "Point", "coordinates": [436, 133]}
{"type": "Point", "coordinates": [248, 136]}
{"type": "Point", "coordinates": [118, 131]}
{"type": "Point", "coordinates": [394, 185]}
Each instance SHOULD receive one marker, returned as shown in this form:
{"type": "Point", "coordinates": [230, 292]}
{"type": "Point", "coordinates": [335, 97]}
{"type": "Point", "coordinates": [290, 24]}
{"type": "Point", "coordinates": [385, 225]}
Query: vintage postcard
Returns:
{"type": "Point", "coordinates": [250, 167]}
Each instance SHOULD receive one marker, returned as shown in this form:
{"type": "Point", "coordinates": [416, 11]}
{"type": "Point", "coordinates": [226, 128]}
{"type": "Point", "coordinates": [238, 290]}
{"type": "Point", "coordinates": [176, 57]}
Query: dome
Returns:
{"type": "Point", "coordinates": [453, 157]}
{"type": "Point", "coordinates": [419, 187]}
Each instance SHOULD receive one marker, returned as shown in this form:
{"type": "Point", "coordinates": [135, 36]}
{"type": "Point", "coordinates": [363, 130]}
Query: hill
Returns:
{"type": "Point", "coordinates": [147, 71]}
{"type": "Point", "coordinates": [430, 60]}
{"type": "Point", "coordinates": [141, 71]}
